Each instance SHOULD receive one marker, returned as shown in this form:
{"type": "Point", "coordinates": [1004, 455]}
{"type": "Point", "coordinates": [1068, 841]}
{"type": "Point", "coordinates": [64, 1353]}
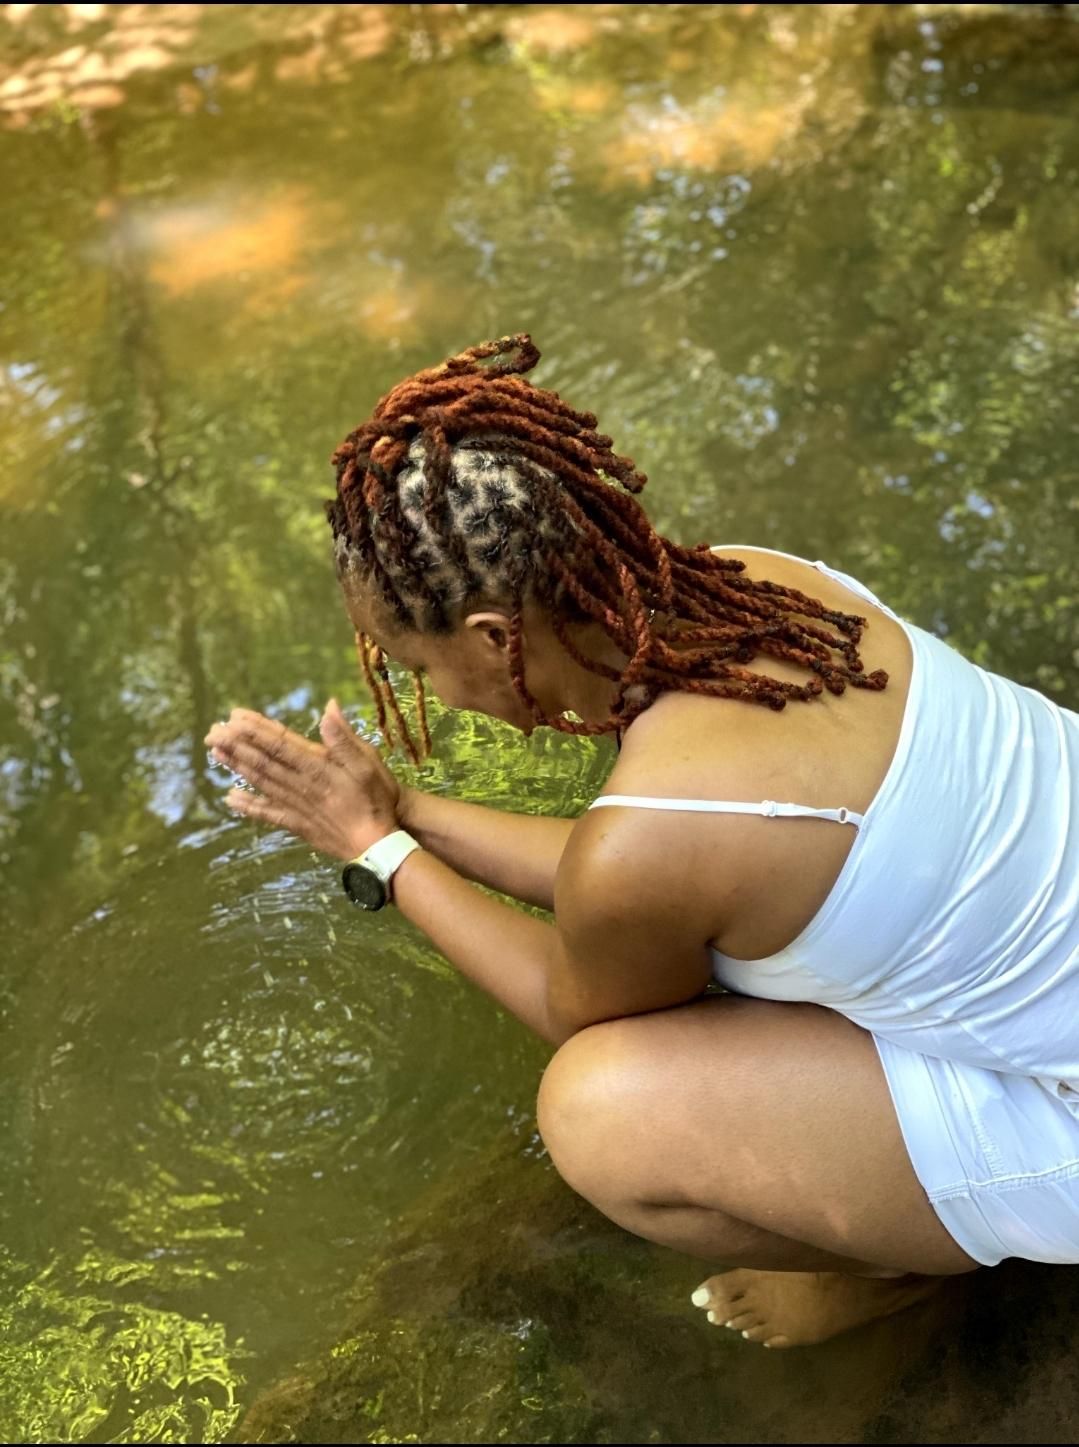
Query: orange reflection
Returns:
{"type": "Point", "coordinates": [198, 246]}
{"type": "Point", "coordinates": [554, 31]}
{"type": "Point", "coordinates": [737, 131]}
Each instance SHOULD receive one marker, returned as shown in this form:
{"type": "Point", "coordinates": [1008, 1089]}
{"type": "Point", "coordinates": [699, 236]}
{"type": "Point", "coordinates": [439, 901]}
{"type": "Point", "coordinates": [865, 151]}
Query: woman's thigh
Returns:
{"type": "Point", "coordinates": [778, 1115]}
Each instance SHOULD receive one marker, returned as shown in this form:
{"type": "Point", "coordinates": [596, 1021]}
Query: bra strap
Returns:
{"type": "Point", "coordinates": [767, 808]}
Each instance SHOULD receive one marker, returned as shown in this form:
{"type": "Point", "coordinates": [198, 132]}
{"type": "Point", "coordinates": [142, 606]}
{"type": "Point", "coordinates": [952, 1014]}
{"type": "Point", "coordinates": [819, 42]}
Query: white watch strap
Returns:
{"type": "Point", "coordinates": [386, 856]}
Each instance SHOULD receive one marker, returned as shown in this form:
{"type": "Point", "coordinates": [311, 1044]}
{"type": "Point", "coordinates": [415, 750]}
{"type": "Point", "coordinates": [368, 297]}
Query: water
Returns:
{"type": "Point", "coordinates": [817, 269]}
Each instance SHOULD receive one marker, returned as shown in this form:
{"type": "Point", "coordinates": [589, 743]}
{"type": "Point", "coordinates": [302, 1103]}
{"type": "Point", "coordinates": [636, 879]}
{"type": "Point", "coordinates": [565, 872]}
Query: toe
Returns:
{"type": "Point", "coordinates": [742, 1319]}
{"type": "Point", "coordinates": [758, 1333]}
{"type": "Point", "coordinates": [719, 1293]}
{"type": "Point", "coordinates": [730, 1286]}
{"type": "Point", "coordinates": [776, 1341]}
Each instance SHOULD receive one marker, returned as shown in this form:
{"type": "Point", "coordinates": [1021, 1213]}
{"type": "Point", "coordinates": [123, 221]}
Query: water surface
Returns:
{"type": "Point", "coordinates": [817, 269]}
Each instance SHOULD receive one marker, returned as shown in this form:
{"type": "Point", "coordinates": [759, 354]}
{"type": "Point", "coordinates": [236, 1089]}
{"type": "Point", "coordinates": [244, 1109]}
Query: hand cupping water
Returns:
{"type": "Point", "coordinates": [338, 795]}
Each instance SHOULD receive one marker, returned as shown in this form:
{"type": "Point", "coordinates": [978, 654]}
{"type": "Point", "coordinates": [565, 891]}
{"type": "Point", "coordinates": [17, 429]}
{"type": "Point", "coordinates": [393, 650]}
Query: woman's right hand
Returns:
{"type": "Point", "coordinates": [338, 795]}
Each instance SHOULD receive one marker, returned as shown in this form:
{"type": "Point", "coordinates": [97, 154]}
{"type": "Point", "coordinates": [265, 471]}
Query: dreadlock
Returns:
{"type": "Point", "coordinates": [468, 481]}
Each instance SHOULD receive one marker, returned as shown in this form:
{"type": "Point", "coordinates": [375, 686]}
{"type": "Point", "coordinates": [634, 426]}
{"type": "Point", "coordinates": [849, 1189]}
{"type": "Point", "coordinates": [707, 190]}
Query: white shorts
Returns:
{"type": "Point", "coordinates": [997, 1155]}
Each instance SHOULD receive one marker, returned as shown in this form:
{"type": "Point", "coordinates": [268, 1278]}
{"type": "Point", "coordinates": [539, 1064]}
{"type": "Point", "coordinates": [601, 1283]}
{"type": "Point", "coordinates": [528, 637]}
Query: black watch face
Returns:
{"type": "Point", "coordinates": [363, 887]}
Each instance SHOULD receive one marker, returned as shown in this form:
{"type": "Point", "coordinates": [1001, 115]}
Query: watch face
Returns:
{"type": "Point", "coordinates": [363, 887]}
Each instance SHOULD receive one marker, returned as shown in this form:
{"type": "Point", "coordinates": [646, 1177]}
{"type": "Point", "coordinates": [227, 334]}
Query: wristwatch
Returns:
{"type": "Point", "coordinates": [367, 879]}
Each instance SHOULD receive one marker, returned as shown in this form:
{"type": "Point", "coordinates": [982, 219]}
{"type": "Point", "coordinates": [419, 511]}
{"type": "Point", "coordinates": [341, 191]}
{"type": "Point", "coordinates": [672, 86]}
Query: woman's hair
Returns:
{"type": "Point", "coordinates": [469, 484]}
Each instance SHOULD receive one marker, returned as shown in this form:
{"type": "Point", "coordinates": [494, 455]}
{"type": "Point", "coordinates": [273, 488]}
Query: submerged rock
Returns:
{"type": "Point", "coordinates": [503, 1308]}
{"type": "Point", "coordinates": [485, 1318]}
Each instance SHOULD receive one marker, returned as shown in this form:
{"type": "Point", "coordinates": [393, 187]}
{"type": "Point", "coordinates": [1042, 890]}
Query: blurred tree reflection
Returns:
{"type": "Point", "coordinates": [829, 259]}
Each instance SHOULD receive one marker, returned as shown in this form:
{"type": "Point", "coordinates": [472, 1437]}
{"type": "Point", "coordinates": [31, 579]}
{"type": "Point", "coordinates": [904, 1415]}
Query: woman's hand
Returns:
{"type": "Point", "coordinates": [338, 795]}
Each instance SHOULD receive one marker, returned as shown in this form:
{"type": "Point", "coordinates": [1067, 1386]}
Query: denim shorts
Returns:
{"type": "Point", "coordinates": [997, 1155]}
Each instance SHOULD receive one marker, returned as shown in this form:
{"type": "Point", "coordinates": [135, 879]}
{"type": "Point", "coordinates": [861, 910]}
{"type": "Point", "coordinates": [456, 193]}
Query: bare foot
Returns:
{"type": "Point", "coordinates": [795, 1308]}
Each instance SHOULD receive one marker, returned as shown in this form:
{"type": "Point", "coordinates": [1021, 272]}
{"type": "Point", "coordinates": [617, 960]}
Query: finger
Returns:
{"type": "Point", "coordinates": [335, 729]}
{"type": "Point", "coordinates": [346, 748]}
{"type": "Point", "coordinates": [266, 811]}
{"type": "Point", "coordinates": [255, 755]}
{"type": "Point", "coordinates": [267, 733]}
{"type": "Point", "coordinates": [289, 748]}
{"type": "Point", "coordinates": [279, 742]}
{"type": "Point", "coordinates": [258, 767]}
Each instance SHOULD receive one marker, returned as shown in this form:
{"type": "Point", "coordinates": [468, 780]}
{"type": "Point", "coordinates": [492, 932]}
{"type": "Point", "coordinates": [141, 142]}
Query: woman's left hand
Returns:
{"type": "Point", "coordinates": [338, 795]}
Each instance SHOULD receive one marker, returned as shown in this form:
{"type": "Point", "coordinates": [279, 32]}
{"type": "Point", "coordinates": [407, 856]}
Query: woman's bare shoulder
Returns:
{"type": "Point", "coordinates": [693, 745]}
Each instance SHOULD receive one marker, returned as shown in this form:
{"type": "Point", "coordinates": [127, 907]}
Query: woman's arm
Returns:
{"type": "Point", "coordinates": [504, 951]}
{"type": "Point", "coordinates": [628, 938]}
{"type": "Point", "coordinates": [340, 797]}
{"type": "Point", "coordinates": [517, 854]}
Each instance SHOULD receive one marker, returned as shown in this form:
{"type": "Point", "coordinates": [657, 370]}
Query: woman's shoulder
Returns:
{"type": "Point", "coordinates": [623, 854]}
{"type": "Point", "coordinates": [686, 742]}
{"type": "Point", "coordinates": [695, 746]}
{"type": "Point", "coordinates": [817, 579]}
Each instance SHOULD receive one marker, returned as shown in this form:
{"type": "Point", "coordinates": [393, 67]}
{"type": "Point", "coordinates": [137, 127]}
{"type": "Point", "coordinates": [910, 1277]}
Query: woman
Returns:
{"type": "Point", "coordinates": [923, 887]}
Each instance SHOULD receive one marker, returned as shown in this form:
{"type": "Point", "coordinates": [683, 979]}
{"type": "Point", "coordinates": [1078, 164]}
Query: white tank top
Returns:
{"type": "Point", "coordinates": [953, 927]}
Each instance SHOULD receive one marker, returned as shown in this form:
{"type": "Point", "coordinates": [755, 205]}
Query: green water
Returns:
{"type": "Point", "coordinates": [817, 269]}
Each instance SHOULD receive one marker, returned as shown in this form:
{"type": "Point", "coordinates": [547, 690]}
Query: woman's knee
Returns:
{"type": "Point", "coordinates": [612, 1092]}
{"type": "Point", "coordinates": [603, 1126]}
{"type": "Point", "coordinates": [605, 1109]}
{"type": "Point", "coordinates": [584, 1103]}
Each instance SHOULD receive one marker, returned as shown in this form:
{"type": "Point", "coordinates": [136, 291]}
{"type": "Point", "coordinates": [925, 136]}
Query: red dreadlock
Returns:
{"type": "Point", "coordinates": [469, 481]}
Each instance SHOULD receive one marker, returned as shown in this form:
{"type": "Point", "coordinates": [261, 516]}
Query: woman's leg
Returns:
{"type": "Point", "coordinates": [758, 1134]}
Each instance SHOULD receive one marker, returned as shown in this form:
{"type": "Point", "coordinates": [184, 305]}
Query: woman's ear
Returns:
{"type": "Point", "coordinates": [493, 627]}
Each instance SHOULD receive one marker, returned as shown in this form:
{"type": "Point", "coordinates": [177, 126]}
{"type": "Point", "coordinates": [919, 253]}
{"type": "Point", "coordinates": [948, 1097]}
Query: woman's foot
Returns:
{"type": "Point", "coordinates": [796, 1308]}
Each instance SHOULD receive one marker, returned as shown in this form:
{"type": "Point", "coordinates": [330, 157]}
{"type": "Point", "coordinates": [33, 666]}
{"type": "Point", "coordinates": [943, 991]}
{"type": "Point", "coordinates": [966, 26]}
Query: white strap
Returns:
{"type": "Point", "coordinates": [767, 808]}
{"type": "Point", "coordinates": [387, 855]}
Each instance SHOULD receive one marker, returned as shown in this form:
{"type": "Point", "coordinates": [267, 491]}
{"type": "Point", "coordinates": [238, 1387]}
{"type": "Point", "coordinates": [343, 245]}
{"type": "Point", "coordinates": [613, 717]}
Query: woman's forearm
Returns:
{"type": "Point", "coordinates": [504, 951]}
{"type": "Point", "coordinates": [516, 854]}
{"type": "Point", "coordinates": [341, 798]}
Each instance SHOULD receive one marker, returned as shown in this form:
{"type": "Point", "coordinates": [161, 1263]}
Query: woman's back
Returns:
{"type": "Point", "coordinates": [951, 923]}
{"type": "Point", "coordinates": [832, 752]}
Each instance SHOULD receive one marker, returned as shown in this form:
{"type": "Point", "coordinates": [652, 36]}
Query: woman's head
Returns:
{"type": "Point", "coordinates": [473, 506]}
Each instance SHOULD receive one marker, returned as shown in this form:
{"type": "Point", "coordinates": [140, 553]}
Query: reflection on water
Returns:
{"type": "Point", "coordinates": [816, 268]}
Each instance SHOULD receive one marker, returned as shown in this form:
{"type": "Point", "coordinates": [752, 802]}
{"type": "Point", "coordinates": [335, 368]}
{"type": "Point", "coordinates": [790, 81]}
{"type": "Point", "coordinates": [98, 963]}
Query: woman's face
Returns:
{"type": "Point", "coordinates": [468, 668]}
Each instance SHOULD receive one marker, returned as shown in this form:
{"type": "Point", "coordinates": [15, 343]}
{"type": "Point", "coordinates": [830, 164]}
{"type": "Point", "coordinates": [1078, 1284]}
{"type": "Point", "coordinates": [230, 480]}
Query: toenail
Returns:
{"type": "Point", "coordinates": [700, 1296]}
{"type": "Point", "coordinates": [730, 1324]}
{"type": "Point", "coordinates": [746, 1335]}
{"type": "Point", "coordinates": [711, 1316]}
